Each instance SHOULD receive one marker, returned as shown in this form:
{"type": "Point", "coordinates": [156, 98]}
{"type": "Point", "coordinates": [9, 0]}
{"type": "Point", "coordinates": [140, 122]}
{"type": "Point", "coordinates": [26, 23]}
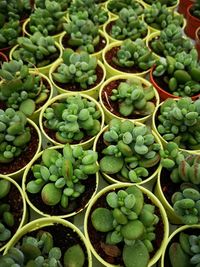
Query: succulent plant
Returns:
{"type": "Point", "coordinates": [9, 32]}
{"type": "Point", "coordinates": [95, 12]}
{"type": "Point", "coordinates": [128, 26]}
{"type": "Point", "coordinates": [130, 151]}
{"type": "Point", "coordinates": [20, 89]}
{"type": "Point", "coordinates": [14, 134]}
{"type": "Point", "coordinates": [40, 251]}
{"type": "Point", "coordinates": [185, 251]}
{"type": "Point", "coordinates": [178, 121]}
{"type": "Point", "coordinates": [133, 97]}
{"type": "Point", "coordinates": [163, 2]}
{"type": "Point", "coordinates": [181, 73]}
{"type": "Point", "coordinates": [6, 217]}
{"type": "Point", "coordinates": [127, 220]}
{"type": "Point", "coordinates": [77, 68]}
{"type": "Point", "coordinates": [58, 176]}
{"type": "Point", "coordinates": [36, 51]}
{"type": "Point", "coordinates": [73, 119]}
{"type": "Point", "coordinates": [49, 20]}
{"type": "Point", "coordinates": [63, 3]}
{"type": "Point", "coordinates": [115, 7]}
{"type": "Point", "coordinates": [171, 41]}
{"type": "Point", "coordinates": [133, 54]}
{"type": "Point", "coordinates": [159, 16]}
{"type": "Point", "coordinates": [82, 33]}
{"type": "Point", "coordinates": [195, 10]}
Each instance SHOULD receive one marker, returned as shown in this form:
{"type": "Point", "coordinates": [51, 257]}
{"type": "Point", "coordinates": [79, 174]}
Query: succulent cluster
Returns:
{"type": "Point", "coordinates": [159, 16]}
{"type": "Point", "coordinates": [63, 3]}
{"type": "Point", "coordinates": [77, 68]}
{"type": "Point", "coordinates": [128, 220]}
{"type": "Point", "coordinates": [20, 89]}
{"type": "Point", "coordinates": [116, 6]}
{"type": "Point", "coordinates": [73, 119]}
{"type": "Point", "coordinates": [49, 20]}
{"type": "Point", "coordinates": [36, 51]}
{"type": "Point", "coordinates": [133, 54]}
{"type": "Point", "coordinates": [128, 26]}
{"type": "Point", "coordinates": [181, 73]}
{"type": "Point", "coordinates": [185, 251]}
{"type": "Point", "coordinates": [96, 13]}
{"type": "Point", "coordinates": [163, 2]}
{"type": "Point", "coordinates": [58, 176]}
{"type": "Point", "coordinates": [40, 251]}
{"type": "Point", "coordinates": [134, 97]}
{"type": "Point", "coordinates": [6, 217]}
{"type": "Point", "coordinates": [82, 33]}
{"type": "Point", "coordinates": [9, 32]}
{"type": "Point", "coordinates": [130, 151]}
{"type": "Point", "coordinates": [171, 41]}
{"type": "Point", "coordinates": [14, 134]}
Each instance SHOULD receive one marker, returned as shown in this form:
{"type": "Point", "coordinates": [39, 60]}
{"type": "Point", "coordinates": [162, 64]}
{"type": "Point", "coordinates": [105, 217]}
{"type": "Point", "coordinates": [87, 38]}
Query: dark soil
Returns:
{"type": "Point", "coordinates": [25, 157]}
{"type": "Point", "coordinates": [14, 199]}
{"type": "Point", "coordinates": [97, 238]}
{"type": "Point", "coordinates": [64, 237]}
{"type": "Point", "coordinates": [74, 87]}
{"type": "Point", "coordinates": [113, 106]}
{"type": "Point", "coordinates": [113, 53]}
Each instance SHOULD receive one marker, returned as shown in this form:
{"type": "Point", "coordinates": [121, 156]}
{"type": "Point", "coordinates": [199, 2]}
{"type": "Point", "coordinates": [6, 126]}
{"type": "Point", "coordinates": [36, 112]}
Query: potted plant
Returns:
{"type": "Point", "coordinates": [128, 57]}
{"type": "Point", "coordinates": [63, 3]}
{"type": "Point", "coordinates": [20, 142]}
{"type": "Point", "coordinates": [49, 21]}
{"type": "Point", "coordinates": [197, 41]}
{"type": "Point", "coordinates": [81, 34]}
{"type": "Point", "coordinates": [183, 5]}
{"type": "Point", "coordinates": [171, 4]}
{"type": "Point", "coordinates": [24, 90]}
{"type": "Point", "coordinates": [124, 96]}
{"type": "Point", "coordinates": [177, 120]}
{"type": "Point", "coordinates": [193, 19]}
{"type": "Point", "coordinates": [158, 17]}
{"type": "Point", "coordinates": [177, 76]}
{"type": "Point", "coordinates": [128, 152]}
{"type": "Point", "coordinates": [36, 51]}
{"type": "Point", "coordinates": [41, 242]}
{"type": "Point", "coordinates": [123, 222]}
{"type": "Point", "coordinates": [79, 72]}
{"type": "Point", "coordinates": [71, 118]}
{"type": "Point", "coordinates": [127, 25]}
{"type": "Point", "coordinates": [13, 210]}
{"type": "Point", "coordinates": [61, 181]}
{"type": "Point", "coordinates": [178, 185]}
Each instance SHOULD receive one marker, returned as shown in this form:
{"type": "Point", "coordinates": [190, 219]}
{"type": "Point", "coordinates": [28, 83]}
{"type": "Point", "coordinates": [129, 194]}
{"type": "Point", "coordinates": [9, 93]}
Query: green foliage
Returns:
{"type": "Point", "coordinates": [116, 6]}
{"type": "Point", "coordinates": [14, 134]}
{"type": "Point", "coordinates": [77, 68]}
{"type": "Point", "coordinates": [9, 32]}
{"type": "Point", "coordinates": [63, 3]}
{"type": "Point", "coordinates": [128, 26]}
{"type": "Point", "coordinates": [20, 89]}
{"type": "Point", "coordinates": [195, 10]}
{"type": "Point", "coordinates": [130, 151]}
{"type": "Point", "coordinates": [36, 50]}
{"type": "Point", "coordinates": [133, 97]}
{"type": "Point", "coordinates": [128, 220]}
{"type": "Point", "coordinates": [58, 176]}
{"type": "Point", "coordinates": [163, 2]}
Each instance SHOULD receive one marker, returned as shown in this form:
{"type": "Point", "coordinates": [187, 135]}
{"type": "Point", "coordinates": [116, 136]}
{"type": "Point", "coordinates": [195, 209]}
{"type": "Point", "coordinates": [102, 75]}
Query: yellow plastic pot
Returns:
{"type": "Point", "coordinates": [153, 35]}
{"type": "Point", "coordinates": [110, 71]}
{"type": "Point", "coordinates": [56, 37]}
{"type": "Point", "coordinates": [170, 7]}
{"type": "Point", "coordinates": [112, 180]}
{"type": "Point", "coordinates": [24, 217]}
{"type": "Point", "coordinates": [17, 175]}
{"type": "Point", "coordinates": [41, 212]}
{"type": "Point", "coordinates": [86, 144]}
{"type": "Point", "coordinates": [108, 114]}
{"type": "Point", "coordinates": [93, 92]}
{"type": "Point", "coordinates": [44, 70]}
{"type": "Point", "coordinates": [176, 232]}
{"type": "Point", "coordinates": [154, 200]}
{"type": "Point", "coordinates": [43, 222]}
{"type": "Point", "coordinates": [98, 54]}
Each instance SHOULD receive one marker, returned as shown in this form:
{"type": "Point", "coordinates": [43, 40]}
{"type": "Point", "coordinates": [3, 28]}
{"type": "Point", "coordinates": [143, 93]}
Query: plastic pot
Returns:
{"type": "Point", "coordinates": [183, 5]}
{"type": "Point", "coordinates": [3, 58]}
{"type": "Point", "coordinates": [108, 114]}
{"type": "Point", "coordinates": [154, 200]}
{"type": "Point", "coordinates": [192, 23]}
{"type": "Point", "coordinates": [170, 7]}
{"type": "Point", "coordinates": [197, 39]}
{"type": "Point", "coordinates": [85, 144]}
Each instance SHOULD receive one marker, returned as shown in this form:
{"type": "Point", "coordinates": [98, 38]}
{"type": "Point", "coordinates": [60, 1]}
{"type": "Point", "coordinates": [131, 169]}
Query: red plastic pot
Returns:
{"type": "Point", "coordinates": [3, 57]}
{"type": "Point", "coordinates": [183, 5]}
{"type": "Point", "coordinates": [197, 39]}
{"type": "Point", "coordinates": [162, 93]}
{"type": "Point", "coordinates": [192, 23]}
